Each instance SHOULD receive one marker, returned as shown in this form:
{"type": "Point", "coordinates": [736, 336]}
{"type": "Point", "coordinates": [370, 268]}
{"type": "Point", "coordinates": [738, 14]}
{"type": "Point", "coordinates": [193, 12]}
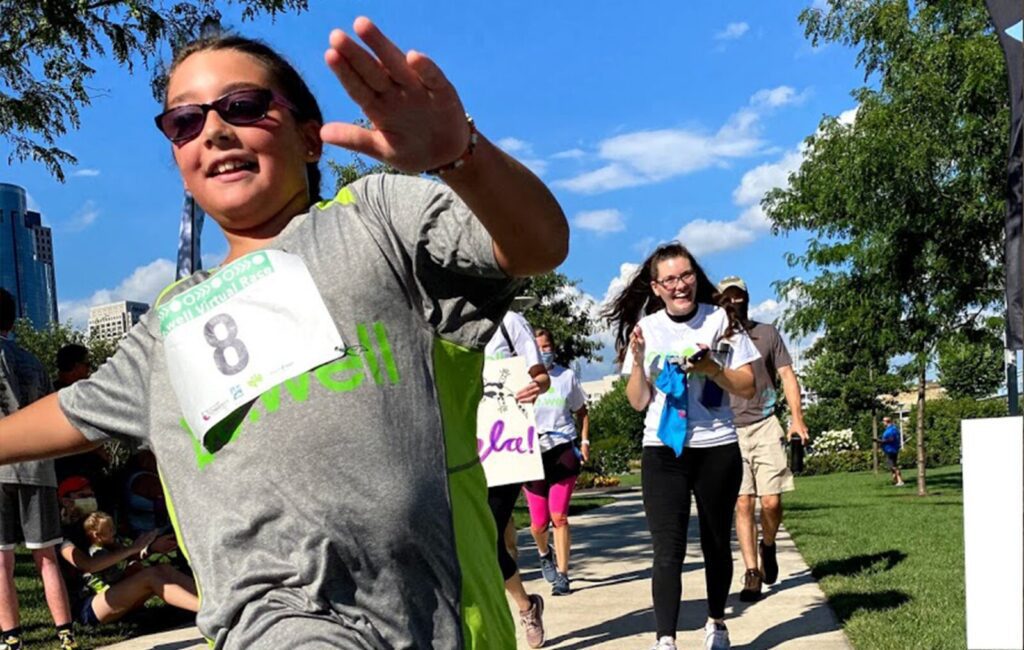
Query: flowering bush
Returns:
{"type": "Point", "coordinates": [833, 442]}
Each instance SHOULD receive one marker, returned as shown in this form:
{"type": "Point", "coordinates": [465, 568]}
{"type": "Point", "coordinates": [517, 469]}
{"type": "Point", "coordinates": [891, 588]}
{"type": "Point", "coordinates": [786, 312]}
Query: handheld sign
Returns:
{"type": "Point", "coordinates": [506, 433]}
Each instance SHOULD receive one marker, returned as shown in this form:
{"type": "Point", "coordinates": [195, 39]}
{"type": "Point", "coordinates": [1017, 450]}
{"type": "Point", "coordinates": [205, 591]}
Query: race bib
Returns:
{"type": "Point", "coordinates": [258, 321]}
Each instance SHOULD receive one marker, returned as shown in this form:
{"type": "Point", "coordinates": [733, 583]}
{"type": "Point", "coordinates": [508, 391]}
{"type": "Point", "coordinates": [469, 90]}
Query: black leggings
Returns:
{"type": "Point", "coordinates": [502, 499]}
{"type": "Point", "coordinates": [713, 475]}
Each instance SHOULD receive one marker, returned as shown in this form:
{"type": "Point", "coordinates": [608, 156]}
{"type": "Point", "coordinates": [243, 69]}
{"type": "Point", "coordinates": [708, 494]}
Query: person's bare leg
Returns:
{"type": "Point", "coordinates": [514, 587]}
{"type": "Point", "coordinates": [563, 541]}
{"type": "Point", "coordinates": [8, 594]}
{"type": "Point", "coordinates": [53, 584]}
{"type": "Point", "coordinates": [172, 586]}
{"type": "Point", "coordinates": [771, 517]}
{"type": "Point", "coordinates": [540, 536]}
{"type": "Point", "coordinates": [746, 530]}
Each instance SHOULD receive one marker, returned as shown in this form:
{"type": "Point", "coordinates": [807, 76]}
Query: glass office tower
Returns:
{"type": "Point", "coordinates": [26, 258]}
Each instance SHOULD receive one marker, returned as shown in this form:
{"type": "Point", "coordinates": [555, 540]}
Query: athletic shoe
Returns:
{"type": "Point", "coordinates": [900, 484]}
{"type": "Point", "coordinates": [716, 636]}
{"type": "Point", "coordinates": [751, 586]}
{"type": "Point", "coordinates": [67, 640]}
{"type": "Point", "coordinates": [10, 642]}
{"type": "Point", "coordinates": [665, 643]}
{"type": "Point", "coordinates": [547, 566]}
{"type": "Point", "coordinates": [533, 622]}
{"type": "Point", "coordinates": [769, 563]}
{"type": "Point", "coordinates": [561, 585]}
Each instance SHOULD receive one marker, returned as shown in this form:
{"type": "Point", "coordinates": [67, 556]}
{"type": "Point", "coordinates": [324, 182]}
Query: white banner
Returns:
{"type": "Point", "coordinates": [506, 431]}
{"type": "Point", "coordinates": [993, 455]}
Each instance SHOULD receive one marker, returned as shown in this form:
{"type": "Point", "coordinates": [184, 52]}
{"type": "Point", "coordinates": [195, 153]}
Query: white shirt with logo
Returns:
{"type": "Point", "coordinates": [554, 408]}
{"type": "Point", "coordinates": [709, 418]}
{"type": "Point", "coordinates": [523, 341]}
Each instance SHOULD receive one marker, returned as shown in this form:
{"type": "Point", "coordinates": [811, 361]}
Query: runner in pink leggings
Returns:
{"type": "Point", "coordinates": [549, 497]}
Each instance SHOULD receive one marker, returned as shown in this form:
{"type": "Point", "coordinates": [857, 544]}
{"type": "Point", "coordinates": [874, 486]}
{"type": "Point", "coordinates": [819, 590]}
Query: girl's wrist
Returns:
{"type": "Point", "coordinates": [585, 442]}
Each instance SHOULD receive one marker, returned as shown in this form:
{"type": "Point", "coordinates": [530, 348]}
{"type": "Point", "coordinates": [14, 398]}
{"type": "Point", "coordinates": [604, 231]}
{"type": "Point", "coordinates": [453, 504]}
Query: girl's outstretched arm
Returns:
{"type": "Point", "coordinates": [419, 124]}
{"type": "Point", "coordinates": [41, 430]}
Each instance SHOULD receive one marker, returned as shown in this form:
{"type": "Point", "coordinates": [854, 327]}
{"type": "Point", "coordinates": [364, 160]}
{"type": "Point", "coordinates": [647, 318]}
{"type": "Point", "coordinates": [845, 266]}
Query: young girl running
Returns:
{"type": "Point", "coordinates": [682, 354]}
{"type": "Point", "coordinates": [557, 412]}
{"type": "Point", "coordinates": [312, 401]}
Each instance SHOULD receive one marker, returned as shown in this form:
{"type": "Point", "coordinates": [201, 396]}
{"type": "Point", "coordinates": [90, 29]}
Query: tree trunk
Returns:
{"type": "Point", "coordinates": [921, 489]}
{"type": "Point", "coordinates": [874, 427]}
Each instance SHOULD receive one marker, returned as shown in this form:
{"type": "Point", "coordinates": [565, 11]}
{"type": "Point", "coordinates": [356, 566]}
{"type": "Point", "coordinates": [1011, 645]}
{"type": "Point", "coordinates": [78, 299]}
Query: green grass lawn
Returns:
{"type": "Point", "coordinates": [38, 625]}
{"type": "Point", "coordinates": [890, 562]}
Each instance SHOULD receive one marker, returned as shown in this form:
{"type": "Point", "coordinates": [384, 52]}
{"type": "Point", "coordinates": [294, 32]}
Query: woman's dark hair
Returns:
{"type": "Point", "coordinates": [287, 78]}
{"type": "Point", "coordinates": [637, 300]}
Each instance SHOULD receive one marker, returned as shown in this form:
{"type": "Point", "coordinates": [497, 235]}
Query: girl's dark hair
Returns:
{"type": "Point", "coordinates": [542, 331]}
{"type": "Point", "coordinates": [287, 78]}
{"type": "Point", "coordinates": [637, 300]}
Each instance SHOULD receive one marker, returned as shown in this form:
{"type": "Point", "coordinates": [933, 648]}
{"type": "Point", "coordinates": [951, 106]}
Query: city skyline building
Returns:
{"type": "Point", "coordinates": [26, 258]}
{"type": "Point", "coordinates": [112, 321]}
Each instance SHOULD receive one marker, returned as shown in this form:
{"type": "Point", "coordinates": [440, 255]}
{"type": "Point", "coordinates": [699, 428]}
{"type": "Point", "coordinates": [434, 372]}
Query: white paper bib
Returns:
{"type": "Point", "coordinates": [258, 321]}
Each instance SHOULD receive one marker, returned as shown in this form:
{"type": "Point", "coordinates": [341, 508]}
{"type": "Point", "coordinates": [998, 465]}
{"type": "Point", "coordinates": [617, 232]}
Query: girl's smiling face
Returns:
{"type": "Point", "coordinates": [248, 178]}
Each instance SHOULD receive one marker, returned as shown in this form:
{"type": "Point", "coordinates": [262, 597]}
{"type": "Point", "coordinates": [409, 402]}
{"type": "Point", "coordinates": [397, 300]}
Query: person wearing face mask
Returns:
{"type": "Point", "coordinates": [558, 410]}
{"type": "Point", "coordinates": [28, 495]}
{"type": "Point", "coordinates": [88, 553]}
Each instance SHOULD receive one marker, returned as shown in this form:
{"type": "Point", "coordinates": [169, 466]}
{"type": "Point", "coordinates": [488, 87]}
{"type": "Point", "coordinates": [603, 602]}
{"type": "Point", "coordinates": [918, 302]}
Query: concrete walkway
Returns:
{"type": "Point", "coordinates": [610, 607]}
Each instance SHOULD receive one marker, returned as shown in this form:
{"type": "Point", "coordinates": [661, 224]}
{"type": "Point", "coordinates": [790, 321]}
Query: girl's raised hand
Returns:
{"type": "Point", "coordinates": [417, 118]}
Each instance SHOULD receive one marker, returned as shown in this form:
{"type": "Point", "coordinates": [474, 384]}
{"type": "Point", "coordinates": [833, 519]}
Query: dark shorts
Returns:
{"type": "Point", "coordinates": [560, 463]}
{"type": "Point", "coordinates": [29, 514]}
{"type": "Point", "coordinates": [85, 614]}
{"type": "Point", "coordinates": [892, 459]}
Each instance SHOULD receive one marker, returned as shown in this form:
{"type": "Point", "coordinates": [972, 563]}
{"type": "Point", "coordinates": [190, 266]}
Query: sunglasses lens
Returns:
{"type": "Point", "coordinates": [244, 106]}
{"type": "Point", "coordinates": [182, 123]}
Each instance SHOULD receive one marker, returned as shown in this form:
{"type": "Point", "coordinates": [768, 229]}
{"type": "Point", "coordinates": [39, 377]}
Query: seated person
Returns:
{"type": "Point", "coordinates": [144, 505]}
{"type": "Point", "coordinates": [99, 595]}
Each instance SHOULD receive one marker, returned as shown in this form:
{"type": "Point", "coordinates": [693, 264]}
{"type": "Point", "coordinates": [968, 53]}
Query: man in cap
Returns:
{"type": "Point", "coordinates": [762, 442]}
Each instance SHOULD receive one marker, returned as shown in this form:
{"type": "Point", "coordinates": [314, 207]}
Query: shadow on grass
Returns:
{"type": "Point", "coordinates": [848, 604]}
{"type": "Point", "coordinates": [856, 564]}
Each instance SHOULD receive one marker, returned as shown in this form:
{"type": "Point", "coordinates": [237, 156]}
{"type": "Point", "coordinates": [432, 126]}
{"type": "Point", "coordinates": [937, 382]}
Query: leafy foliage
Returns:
{"type": "Point", "coordinates": [46, 47]}
{"type": "Point", "coordinates": [971, 361]}
{"type": "Point", "coordinates": [563, 312]}
{"type": "Point", "coordinates": [45, 343]}
{"type": "Point", "coordinates": [616, 430]}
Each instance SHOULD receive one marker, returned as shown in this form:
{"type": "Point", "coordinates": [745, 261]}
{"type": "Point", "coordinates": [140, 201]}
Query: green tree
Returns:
{"type": "Point", "coordinates": [46, 47]}
{"type": "Point", "coordinates": [905, 205]}
{"type": "Point", "coordinates": [616, 429]}
{"type": "Point", "coordinates": [44, 343]}
{"type": "Point", "coordinates": [971, 361]}
{"type": "Point", "coordinates": [563, 312]}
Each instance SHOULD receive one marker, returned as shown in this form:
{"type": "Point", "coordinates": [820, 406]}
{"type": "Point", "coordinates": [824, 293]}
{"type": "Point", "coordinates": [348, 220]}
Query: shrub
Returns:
{"type": "Point", "coordinates": [616, 432]}
{"type": "Point", "coordinates": [942, 426]}
{"type": "Point", "coordinates": [832, 442]}
{"type": "Point", "coordinates": [842, 461]}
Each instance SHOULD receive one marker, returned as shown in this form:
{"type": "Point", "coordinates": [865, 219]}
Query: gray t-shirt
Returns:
{"type": "Point", "coordinates": [774, 355]}
{"type": "Point", "coordinates": [343, 494]}
{"type": "Point", "coordinates": [23, 380]}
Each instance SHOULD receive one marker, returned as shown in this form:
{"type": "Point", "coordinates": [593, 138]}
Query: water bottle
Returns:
{"type": "Point", "coordinates": [796, 454]}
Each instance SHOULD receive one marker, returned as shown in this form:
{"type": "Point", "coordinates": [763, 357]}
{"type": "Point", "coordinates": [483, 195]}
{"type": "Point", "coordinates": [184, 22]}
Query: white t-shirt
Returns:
{"type": "Point", "coordinates": [709, 418]}
{"type": "Point", "coordinates": [522, 339]}
{"type": "Point", "coordinates": [554, 408]}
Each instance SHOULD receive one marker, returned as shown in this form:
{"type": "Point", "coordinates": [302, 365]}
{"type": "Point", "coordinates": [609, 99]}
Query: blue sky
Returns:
{"type": "Point", "coordinates": [666, 120]}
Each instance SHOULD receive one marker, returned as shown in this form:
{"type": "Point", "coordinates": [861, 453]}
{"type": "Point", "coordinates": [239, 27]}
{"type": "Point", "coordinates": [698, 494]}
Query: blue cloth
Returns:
{"type": "Point", "coordinates": [672, 427]}
{"type": "Point", "coordinates": [891, 439]}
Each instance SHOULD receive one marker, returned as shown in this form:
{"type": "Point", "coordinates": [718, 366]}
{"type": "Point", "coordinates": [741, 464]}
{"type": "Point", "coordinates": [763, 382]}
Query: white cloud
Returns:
{"type": "Point", "coordinates": [650, 156]}
{"type": "Point", "coordinates": [732, 31]}
{"type": "Point", "coordinates": [513, 145]}
{"type": "Point", "coordinates": [777, 97]}
{"type": "Point", "coordinates": [704, 237]}
{"type": "Point", "coordinates": [849, 117]}
{"type": "Point", "coordinates": [600, 221]}
{"type": "Point", "coordinates": [572, 154]}
{"type": "Point", "coordinates": [83, 218]}
{"type": "Point", "coordinates": [143, 285]}
{"type": "Point", "coordinates": [86, 173]}
{"type": "Point", "coordinates": [31, 203]}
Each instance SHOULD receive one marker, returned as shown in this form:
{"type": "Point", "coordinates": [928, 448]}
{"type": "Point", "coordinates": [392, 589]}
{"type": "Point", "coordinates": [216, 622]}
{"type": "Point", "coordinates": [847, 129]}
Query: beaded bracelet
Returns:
{"type": "Point", "coordinates": [461, 160]}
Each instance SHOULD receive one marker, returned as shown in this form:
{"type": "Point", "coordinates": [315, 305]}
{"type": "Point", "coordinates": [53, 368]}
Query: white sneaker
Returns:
{"type": "Point", "coordinates": [716, 636]}
{"type": "Point", "coordinates": [665, 643]}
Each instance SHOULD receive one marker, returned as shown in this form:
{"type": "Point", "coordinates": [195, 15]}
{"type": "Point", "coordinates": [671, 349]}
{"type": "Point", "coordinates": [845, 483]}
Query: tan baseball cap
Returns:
{"type": "Point", "coordinates": [732, 281]}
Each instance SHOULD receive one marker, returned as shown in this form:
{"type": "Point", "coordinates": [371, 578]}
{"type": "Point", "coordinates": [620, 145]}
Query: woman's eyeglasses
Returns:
{"type": "Point", "coordinates": [239, 108]}
{"type": "Point", "coordinates": [675, 280]}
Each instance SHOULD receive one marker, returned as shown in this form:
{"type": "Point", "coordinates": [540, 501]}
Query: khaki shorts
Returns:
{"type": "Point", "coordinates": [762, 446]}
